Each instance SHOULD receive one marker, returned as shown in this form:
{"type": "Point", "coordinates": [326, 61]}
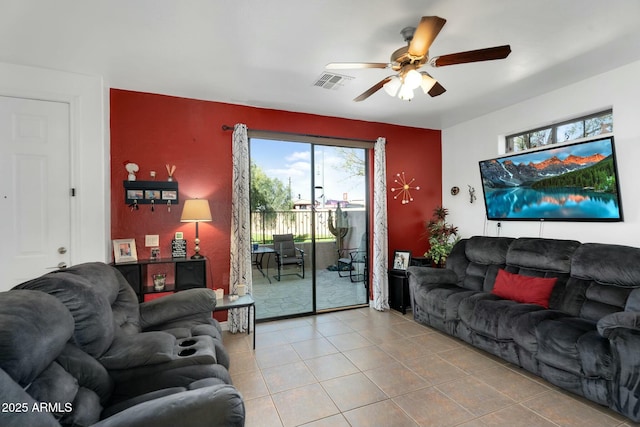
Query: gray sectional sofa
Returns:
{"type": "Point", "coordinates": [588, 339]}
{"type": "Point", "coordinates": [77, 349]}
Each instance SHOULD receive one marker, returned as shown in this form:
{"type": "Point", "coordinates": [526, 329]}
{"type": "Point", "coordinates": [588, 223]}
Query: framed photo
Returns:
{"type": "Point", "coordinates": [169, 195]}
{"type": "Point", "coordinates": [179, 235]}
{"type": "Point", "coordinates": [135, 194]}
{"type": "Point", "coordinates": [152, 194]}
{"type": "Point", "coordinates": [401, 260]}
{"type": "Point", "coordinates": [124, 250]}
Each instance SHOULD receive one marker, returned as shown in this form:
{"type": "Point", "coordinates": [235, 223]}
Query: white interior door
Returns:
{"type": "Point", "coordinates": [34, 188]}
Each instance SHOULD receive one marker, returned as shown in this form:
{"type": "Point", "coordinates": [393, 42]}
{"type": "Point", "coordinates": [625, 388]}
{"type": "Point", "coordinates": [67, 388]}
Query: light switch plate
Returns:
{"type": "Point", "coordinates": [151, 240]}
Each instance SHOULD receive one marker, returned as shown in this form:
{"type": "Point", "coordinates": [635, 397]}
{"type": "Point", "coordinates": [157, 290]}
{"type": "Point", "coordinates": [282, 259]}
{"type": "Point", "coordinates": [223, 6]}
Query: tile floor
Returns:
{"type": "Point", "coordinates": [368, 368]}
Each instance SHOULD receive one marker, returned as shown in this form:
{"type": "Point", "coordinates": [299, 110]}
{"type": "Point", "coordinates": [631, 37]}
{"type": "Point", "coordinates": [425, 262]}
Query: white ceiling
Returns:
{"type": "Point", "coordinates": [269, 53]}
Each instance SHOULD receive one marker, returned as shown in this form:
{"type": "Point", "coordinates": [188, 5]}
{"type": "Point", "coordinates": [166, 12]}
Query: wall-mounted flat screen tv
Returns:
{"type": "Point", "coordinates": [574, 182]}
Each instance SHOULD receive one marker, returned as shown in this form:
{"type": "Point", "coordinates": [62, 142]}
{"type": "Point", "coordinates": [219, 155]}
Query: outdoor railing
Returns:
{"type": "Point", "coordinates": [297, 222]}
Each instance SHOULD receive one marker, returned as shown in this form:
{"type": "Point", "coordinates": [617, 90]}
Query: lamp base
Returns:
{"type": "Point", "coordinates": [196, 256]}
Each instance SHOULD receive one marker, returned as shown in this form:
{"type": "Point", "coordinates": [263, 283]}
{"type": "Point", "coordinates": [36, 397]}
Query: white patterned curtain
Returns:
{"type": "Point", "coordinates": [380, 230]}
{"type": "Point", "coordinates": [240, 271]}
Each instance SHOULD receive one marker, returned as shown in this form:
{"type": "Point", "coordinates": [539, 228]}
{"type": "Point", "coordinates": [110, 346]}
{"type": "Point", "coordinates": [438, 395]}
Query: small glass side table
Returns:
{"type": "Point", "coordinates": [226, 304]}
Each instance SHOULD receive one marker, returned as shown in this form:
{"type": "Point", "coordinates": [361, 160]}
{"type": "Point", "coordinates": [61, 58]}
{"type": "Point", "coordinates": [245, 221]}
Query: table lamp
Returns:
{"type": "Point", "coordinates": [196, 210]}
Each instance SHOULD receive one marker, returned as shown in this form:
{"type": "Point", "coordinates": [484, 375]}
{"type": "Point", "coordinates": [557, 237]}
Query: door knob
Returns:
{"type": "Point", "coordinates": [61, 265]}
{"type": "Point", "coordinates": [62, 250]}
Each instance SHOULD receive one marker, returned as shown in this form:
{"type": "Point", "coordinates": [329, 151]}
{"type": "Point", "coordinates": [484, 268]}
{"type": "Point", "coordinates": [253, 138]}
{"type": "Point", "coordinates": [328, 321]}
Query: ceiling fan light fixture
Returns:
{"type": "Point", "coordinates": [406, 93]}
{"type": "Point", "coordinates": [412, 79]}
{"type": "Point", "coordinates": [427, 82]}
{"type": "Point", "coordinates": [392, 86]}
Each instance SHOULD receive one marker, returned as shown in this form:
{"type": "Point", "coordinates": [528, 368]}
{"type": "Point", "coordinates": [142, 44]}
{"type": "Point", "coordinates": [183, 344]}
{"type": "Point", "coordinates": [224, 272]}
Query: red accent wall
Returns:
{"type": "Point", "coordinates": [153, 130]}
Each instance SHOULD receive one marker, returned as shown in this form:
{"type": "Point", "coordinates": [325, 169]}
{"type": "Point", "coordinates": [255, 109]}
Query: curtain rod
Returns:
{"type": "Point", "coordinates": [228, 128]}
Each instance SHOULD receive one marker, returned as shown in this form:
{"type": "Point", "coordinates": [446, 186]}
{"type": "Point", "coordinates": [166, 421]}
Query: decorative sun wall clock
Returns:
{"type": "Point", "coordinates": [404, 189]}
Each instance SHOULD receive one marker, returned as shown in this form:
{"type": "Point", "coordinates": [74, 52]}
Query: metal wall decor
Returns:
{"type": "Point", "coordinates": [404, 188]}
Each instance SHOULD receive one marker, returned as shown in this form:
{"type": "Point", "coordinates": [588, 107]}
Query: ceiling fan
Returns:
{"type": "Point", "coordinates": [408, 59]}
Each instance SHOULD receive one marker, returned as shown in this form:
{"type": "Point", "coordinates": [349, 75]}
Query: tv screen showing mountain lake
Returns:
{"type": "Point", "coordinates": [572, 182]}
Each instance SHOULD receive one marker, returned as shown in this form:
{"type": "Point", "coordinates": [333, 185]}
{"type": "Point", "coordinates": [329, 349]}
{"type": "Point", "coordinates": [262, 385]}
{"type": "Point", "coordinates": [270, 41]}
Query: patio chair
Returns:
{"type": "Point", "coordinates": [287, 254]}
{"type": "Point", "coordinates": [354, 261]}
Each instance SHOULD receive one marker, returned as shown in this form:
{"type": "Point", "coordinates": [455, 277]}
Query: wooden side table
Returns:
{"type": "Point", "coordinates": [226, 304]}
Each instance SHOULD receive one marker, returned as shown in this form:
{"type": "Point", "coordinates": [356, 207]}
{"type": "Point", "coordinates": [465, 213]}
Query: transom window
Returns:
{"type": "Point", "coordinates": [570, 130]}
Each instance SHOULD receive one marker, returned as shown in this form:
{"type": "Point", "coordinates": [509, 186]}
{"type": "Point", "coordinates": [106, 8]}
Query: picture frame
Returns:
{"type": "Point", "coordinates": [124, 250]}
{"type": "Point", "coordinates": [401, 260]}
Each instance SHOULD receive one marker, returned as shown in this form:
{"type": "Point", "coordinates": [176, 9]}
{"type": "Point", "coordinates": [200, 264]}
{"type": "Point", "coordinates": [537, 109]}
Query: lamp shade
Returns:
{"type": "Point", "coordinates": [196, 210]}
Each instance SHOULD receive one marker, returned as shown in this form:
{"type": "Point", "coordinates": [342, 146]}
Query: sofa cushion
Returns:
{"type": "Point", "coordinates": [542, 254]}
{"type": "Point", "coordinates": [607, 264]}
{"type": "Point", "coordinates": [524, 289]}
{"type": "Point", "coordinates": [87, 370]}
{"type": "Point", "coordinates": [35, 328]}
{"type": "Point", "coordinates": [572, 344]}
{"type": "Point", "coordinates": [146, 348]}
{"type": "Point", "coordinates": [109, 282]}
{"type": "Point", "coordinates": [55, 386]}
{"type": "Point", "coordinates": [86, 409]}
{"type": "Point", "coordinates": [94, 326]}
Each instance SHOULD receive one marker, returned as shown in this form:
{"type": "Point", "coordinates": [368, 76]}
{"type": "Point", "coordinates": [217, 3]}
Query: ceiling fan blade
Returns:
{"type": "Point", "coordinates": [425, 34]}
{"type": "Point", "coordinates": [488, 54]}
{"type": "Point", "coordinates": [373, 89]}
{"type": "Point", "coordinates": [354, 65]}
{"type": "Point", "coordinates": [436, 90]}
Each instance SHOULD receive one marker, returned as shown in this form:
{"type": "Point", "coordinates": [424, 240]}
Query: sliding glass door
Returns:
{"type": "Point", "coordinates": [341, 224]}
{"type": "Point", "coordinates": [309, 225]}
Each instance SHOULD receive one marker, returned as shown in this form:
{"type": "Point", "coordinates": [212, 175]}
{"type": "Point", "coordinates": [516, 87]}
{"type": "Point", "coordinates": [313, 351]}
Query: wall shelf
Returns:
{"type": "Point", "coordinates": [147, 192]}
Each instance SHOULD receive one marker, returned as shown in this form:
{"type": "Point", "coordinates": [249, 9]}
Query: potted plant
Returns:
{"type": "Point", "coordinates": [442, 236]}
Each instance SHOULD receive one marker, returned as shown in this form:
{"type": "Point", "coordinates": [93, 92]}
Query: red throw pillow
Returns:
{"type": "Point", "coordinates": [525, 289]}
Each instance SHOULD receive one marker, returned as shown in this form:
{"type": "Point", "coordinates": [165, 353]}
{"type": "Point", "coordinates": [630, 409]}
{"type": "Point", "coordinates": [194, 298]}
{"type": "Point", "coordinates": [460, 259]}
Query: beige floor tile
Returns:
{"type": "Point", "coordinates": [333, 328]}
{"type": "Point", "coordinates": [404, 349]}
{"type": "Point", "coordinates": [284, 377]}
{"type": "Point", "coordinates": [567, 411]}
{"type": "Point", "coordinates": [379, 335]}
{"type": "Point", "coordinates": [301, 333]}
{"type": "Point", "coordinates": [518, 387]}
{"type": "Point", "coordinates": [430, 408]}
{"type": "Point", "coordinates": [434, 369]}
{"type": "Point", "coordinates": [314, 348]}
{"type": "Point", "coordinates": [475, 396]}
{"type": "Point", "coordinates": [353, 391]}
{"type": "Point", "coordinates": [251, 384]}
{"type": "Point", "coordinates": [512, 416]}
{"type": "Point", "coordinates": [468, 360]}
{"type": "Point", "coordinates": [274, 356]}
{"type": "Point", "coordinates": [437, 342]}
{"type": "Point", "coordinates": [385, 413]}
{"type": "Point", "coordinates": [395, 379]}
{"type": "Point", "coordinates": [303, 405]}
{"type": "Point", "coordinates": [261, 412]}
{"type": "Point", "coordinates": [331, 366]}
{"type": "Point", "coordinates": [368, 357]}
{"type": "Point", "coordinates": [332, 421]}
{"type": "Point", "coordinates": [350, 341]}
{"type": "Point", "coordinates": [410, 329]}
{"type": "Point", "coordinates": [243, 362]}
{"type": "Point", "coordinates": [236, 343]}
{"type": "Point", "coordinates": [270, 339]}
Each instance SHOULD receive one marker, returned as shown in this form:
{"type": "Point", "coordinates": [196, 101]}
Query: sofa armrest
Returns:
{"type": "Point", "coordinates": [424, 276]}
{"type": "Point", "coordinates": [219, 405]}
{"type": "Point", "coordinates": [622, 319]}
{"type": "Point", "coordinates": [181, 304]}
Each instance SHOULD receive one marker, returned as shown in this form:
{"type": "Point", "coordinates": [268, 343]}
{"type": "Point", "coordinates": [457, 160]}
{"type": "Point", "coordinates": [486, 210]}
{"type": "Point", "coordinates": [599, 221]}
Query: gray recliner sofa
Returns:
{"type": "Point", "coordinates": [586, 341]}
{"type": "Point", "coordinates": [97, 356]}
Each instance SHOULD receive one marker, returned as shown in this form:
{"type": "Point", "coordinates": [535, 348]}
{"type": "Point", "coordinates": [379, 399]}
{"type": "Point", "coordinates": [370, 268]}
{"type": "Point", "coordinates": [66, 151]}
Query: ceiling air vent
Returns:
{"type": "Point", "coordinates": [331, 81]}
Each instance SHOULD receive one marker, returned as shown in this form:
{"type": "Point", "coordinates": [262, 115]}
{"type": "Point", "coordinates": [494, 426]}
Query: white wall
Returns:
{"type": "Point", "coordinates": [465, 144]}
{"type": "Point", "coordinates": [90, 216]}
